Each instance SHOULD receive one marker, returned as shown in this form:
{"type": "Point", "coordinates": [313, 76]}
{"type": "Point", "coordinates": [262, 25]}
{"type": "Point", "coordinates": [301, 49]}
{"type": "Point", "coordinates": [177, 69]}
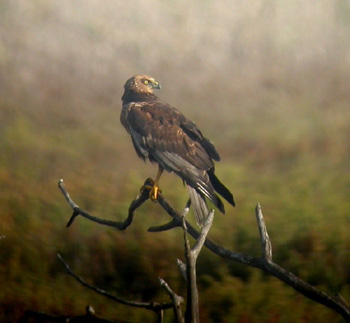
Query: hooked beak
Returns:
{"type": "Point", "coordinates": [156, 85]}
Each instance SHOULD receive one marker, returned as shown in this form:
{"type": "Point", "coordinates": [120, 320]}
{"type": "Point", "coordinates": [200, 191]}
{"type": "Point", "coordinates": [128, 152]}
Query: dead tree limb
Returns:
{"type": "Point", "coordinates": [176, 300]}
{"type": "Point", "coordinates": [43, 317]}
{"type": "Point", "coordinates": [136, 203]}
{"type": "Point", "coordinates": [153, 306]}
{"type": "Point", "coordinates": [266, 245]}
{"type": "Point", "coordinates": [191, 254]}
{"type": "Point", "coordinates": [264, 263]}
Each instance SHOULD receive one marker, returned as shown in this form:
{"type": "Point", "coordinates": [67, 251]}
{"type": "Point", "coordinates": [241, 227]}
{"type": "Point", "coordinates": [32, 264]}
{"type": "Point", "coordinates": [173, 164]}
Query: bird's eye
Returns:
{"type": "Point", "coordinates": [145, 82]}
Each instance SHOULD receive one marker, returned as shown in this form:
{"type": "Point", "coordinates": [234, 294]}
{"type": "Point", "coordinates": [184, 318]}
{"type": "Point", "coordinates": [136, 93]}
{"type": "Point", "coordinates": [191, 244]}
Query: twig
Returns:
{"type": "Point", "coordinates": [136, 203]}
{"type": "Point", "coordinates": [176, 300]}
{"type": "Point", "coordinates": [154, 306]}
{"type": "Point", "coordinates": [173, 223]}
{"type": "Point", "coordinates": [43, 317]}
{"type": "Point", "coordinates": [182, 268]}
{"type": "Point", "coordinates": [264, 236]}
{"type": "Point", "coordinates": [164, 227]}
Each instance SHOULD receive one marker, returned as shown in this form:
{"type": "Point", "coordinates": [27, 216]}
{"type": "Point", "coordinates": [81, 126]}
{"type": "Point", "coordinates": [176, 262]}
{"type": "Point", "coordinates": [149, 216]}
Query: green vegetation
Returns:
{"type": "Point", "coordinates": [304, 194]}
{"type": "Point", "coordinates": [278, 115]}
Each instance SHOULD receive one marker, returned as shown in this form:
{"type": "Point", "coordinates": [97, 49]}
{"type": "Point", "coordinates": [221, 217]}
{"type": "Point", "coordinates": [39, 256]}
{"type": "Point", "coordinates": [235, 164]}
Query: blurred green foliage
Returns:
{"type": "Point", "coordinates": [274, 100]}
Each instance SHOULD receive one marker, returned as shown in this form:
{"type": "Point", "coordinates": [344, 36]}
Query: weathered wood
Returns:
{"type": "Point", "coordinates": [153, 306]}
{"type": "Point", "coordinates": [264, 262]}
{"type": "Point", "coordinates": [191, 254]}
{"type": "Point", "coordinates": [176, 300]}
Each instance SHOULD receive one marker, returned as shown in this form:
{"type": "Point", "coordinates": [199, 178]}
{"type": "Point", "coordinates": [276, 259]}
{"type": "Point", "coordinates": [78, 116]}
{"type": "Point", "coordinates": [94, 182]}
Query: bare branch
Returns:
{"type": "Point", "coordinates": [43, 317]}
{"type": "Point", "coordinates": [265, 263]}
{"type": "Point", "coordinates": [173, 223]}
{"type": "Point", "coordinates": [191, 254]}
{"type": "Point", "coordinates": [154, 306]}
{"type": "Point", "coordinates": [186, 209]}
{"type": "Point", "coordinates": [203, 234]}
{"type": "Point", "coordinates": [223, 252]}
{"type": "Point", "coordinates": [264, 236]}
{"type": "Point", "coordinates": [160, 318]}
{"type": "Point", "coordinates": [62, 187]}
{"type": "Point", "coordinates": [176, 300]}
{"type": "Point", "coordinates": [164, 227]}
{"type": "Point", "coordinates": [182, 268]}
{"type": "Point", "coordinates": [136, 203]}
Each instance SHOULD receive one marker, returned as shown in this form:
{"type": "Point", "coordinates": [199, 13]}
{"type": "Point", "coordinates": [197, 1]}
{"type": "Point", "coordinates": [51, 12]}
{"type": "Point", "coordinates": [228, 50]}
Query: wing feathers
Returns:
{"type": "Point", "coordinates": [194, 177]}
{"type": "Point", "coordinates": [162, 134]}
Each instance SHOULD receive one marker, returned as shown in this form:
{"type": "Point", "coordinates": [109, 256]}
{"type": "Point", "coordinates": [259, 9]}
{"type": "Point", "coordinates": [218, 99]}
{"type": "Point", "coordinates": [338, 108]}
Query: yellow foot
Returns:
{"type": "Point", "coordinates": [153, 194]}
{"type": "Point", "coordinates": [152, 188]}
{"type": "Point", "coordinates": [148, 185]}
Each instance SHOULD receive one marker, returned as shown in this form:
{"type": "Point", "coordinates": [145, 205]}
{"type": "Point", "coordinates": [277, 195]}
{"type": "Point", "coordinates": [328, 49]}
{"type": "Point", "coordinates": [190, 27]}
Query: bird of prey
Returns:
{"type": "Point", "coordinates": [163, 135]}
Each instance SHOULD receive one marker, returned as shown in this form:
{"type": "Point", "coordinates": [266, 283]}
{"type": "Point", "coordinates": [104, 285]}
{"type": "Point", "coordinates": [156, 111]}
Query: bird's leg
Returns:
{"type": "Point", "coordinates": [152, 186]}
{"type": "Point", "coordinates": [153, 194]}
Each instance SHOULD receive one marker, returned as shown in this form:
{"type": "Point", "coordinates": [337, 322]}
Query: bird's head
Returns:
{"type": "Point", "coordinates": [141, 84]}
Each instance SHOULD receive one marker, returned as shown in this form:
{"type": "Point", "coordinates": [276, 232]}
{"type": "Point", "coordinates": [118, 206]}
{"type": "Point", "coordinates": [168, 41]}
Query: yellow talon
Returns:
{"type": "Point", "coordinates": [152, 186]}
{"type": "Point", "coordinates": [153, 194]}
{"type": "Point", "coordinates": [148, 186]}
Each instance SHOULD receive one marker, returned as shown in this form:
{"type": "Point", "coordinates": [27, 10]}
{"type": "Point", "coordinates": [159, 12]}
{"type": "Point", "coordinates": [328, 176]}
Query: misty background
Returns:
{"type": "Point", "coordinates": [268, 82]}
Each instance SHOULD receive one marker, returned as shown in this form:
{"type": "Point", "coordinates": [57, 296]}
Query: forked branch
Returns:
{"type": "Point", "coordinates": [136, 203]}
{"type": "Point", "coordinates": [153, 306]}
{"type": "Point", "coordinates": [264, 263]}
{"type": "Point", "coordinates": [191, 254]}
{"type": "Point", "coordinates": [176, 300]}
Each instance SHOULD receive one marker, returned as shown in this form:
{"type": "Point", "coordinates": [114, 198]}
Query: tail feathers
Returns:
{"type": "Point", "coordinates": [220, 188]}
{"type": "Point", "coordinates": [199, 205]}
{"type": "Point", "coordinates": [217, 201]}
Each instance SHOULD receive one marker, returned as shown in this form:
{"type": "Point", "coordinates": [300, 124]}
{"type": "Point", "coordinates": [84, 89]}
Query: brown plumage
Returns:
{"type": "Point", "coordinates": [163, 135]}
